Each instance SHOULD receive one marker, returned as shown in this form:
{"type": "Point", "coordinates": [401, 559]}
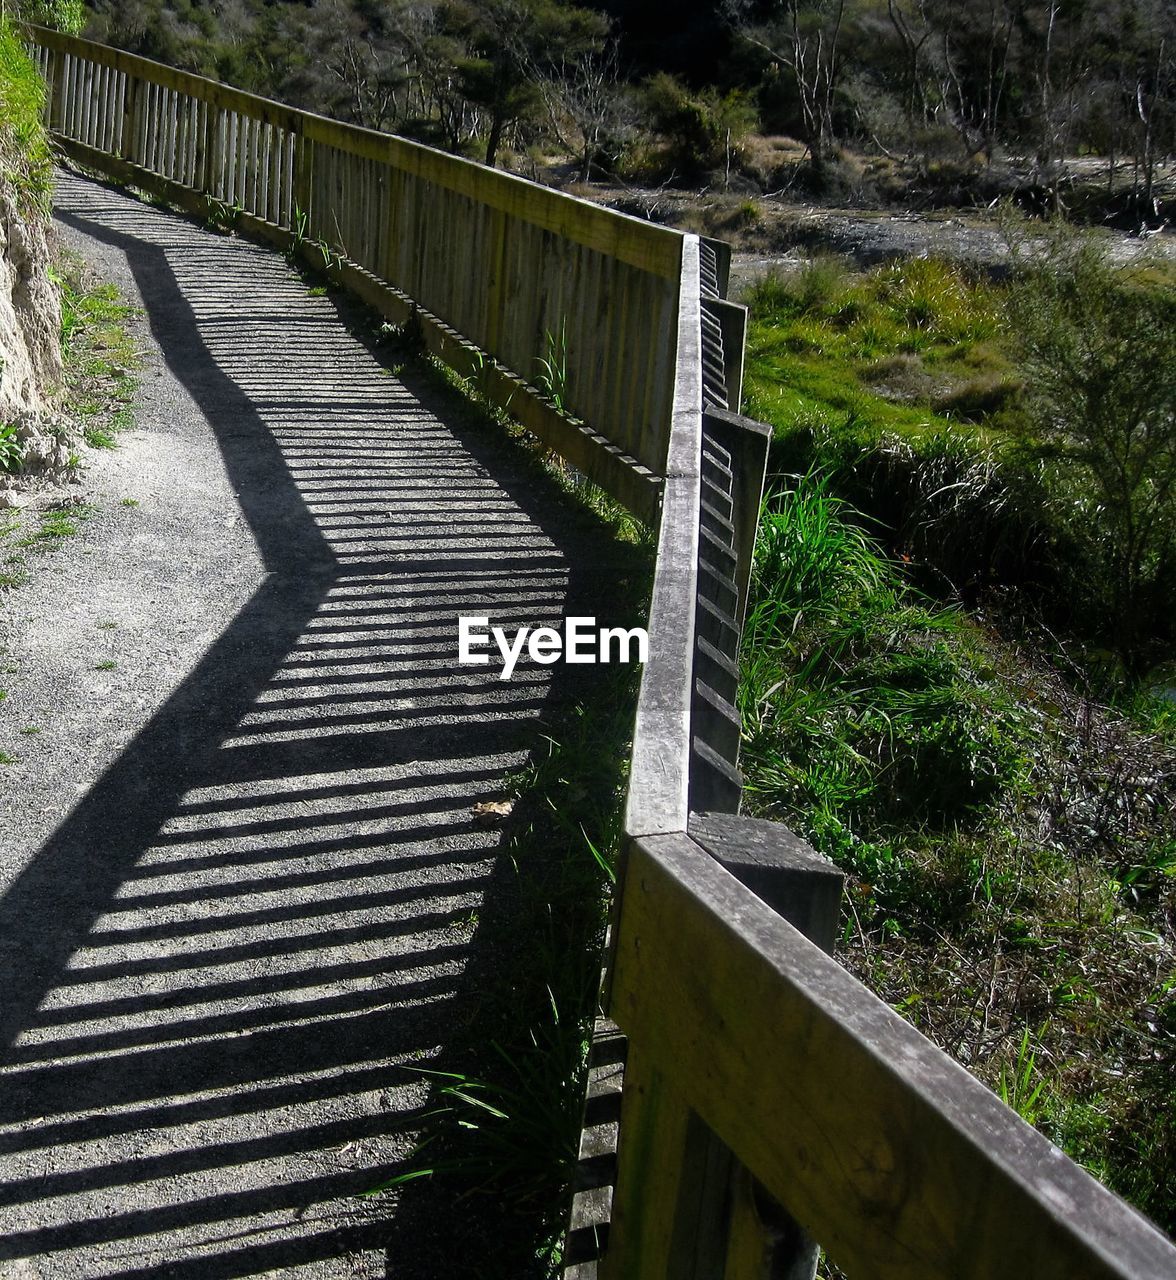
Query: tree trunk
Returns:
{"type": "Point", "coordinates": [494, 138]}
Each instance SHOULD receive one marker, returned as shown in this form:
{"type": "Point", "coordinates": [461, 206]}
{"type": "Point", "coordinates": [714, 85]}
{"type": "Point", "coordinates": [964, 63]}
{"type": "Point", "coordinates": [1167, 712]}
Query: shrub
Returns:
{"type": "Point", "coordinates": [702, 130]}
{"type": "Point", "coordinates": [1096, 346]}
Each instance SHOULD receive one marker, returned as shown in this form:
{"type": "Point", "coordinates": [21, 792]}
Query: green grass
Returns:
{"type": "Point", "coordinates": [55, 524]}
{"type": "Point", "coordinates": [25, 164]}
{"type": "Point", "coordinates": [897, 383]}
{"type": "Point", "coordinates": [1009, 843]}
{"type": "Point", "coordinates": [99, 352]}
{"type": "Point", "coordinates": [866, 710]}
{"type": "Point", "coordinates": [13, 572]}
{"type": "Point", "coordinates": [911, 347]}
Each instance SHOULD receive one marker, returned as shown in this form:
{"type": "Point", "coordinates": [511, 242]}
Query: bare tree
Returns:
{"type": "Point", "coordinates": [1153, 94]}
{"type": "Point", "coordinates": [914, 33]}
{"type": "Point", "coordinates": [975, 53]}
{"type": "Point", "coordinates": [430, 53]}
{"type": "Point", "coordinates": [583, 97]}
{"type": "Point", "coordinates": [806, 40]}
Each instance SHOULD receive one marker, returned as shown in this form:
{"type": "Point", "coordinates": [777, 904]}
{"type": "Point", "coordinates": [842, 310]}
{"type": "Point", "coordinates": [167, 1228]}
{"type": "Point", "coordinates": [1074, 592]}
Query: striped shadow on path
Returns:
{"type": "Point", "coordinates": [214, 970]}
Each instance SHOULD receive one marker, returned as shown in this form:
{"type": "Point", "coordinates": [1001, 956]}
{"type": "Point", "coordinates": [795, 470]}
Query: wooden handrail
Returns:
{"type": "Point", "coordinates": [887, 1151]}
{"type": "Point", "coordinates": [659, 780]}
{"type": "Point", "coordinates": [512, 269]}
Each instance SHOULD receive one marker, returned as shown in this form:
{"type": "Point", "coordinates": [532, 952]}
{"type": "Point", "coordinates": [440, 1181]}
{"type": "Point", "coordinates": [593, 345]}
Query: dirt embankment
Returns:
{"type": "Point", "coordinates": [35, 442]}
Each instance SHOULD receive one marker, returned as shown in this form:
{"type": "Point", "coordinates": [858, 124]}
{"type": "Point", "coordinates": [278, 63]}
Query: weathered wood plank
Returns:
{"type": "Point", "coordinates": [747, 443]}
{"type": "Point", "coordinates": [632, 240]}
{"type": "Point", "coordinates": [595, 1176]}
{"type": "Point", "coordinates": [659, 779]}
{"type": "Point", "coordinates": [651, 1155]}
{"type": "Point", "coordinates": [883, 1148]}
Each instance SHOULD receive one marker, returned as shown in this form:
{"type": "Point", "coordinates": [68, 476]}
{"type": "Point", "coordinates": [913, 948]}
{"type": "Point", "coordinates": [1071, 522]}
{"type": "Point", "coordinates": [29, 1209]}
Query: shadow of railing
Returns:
{"type": "Point", "coordinates": [214, 968]}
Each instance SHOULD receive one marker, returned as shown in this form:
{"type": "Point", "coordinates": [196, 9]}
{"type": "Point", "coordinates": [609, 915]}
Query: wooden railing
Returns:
{"type": "Point", "coordinates": [768, 1098]}
{"type": "Point", "coordinates": [491, 263]}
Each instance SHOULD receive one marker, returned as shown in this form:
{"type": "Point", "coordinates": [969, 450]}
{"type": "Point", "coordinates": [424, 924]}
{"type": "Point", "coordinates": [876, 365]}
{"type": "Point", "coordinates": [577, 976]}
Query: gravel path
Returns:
{"type": "Point", "coordinates": [239, 868]}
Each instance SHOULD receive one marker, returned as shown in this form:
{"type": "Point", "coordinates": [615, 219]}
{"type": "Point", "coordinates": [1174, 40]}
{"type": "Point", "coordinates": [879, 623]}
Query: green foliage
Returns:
{"type": "Point", "coordinates": [11, 449]}
{"type": "Point", "coordinates": [884, 350]}
{"type": "Point", "coordinates": [1096, 345]}
{"type": "Point", "coordinates": [1010, 846]}
{"type": "Point", "coordinates": [509, 45]}
{"type": "Point", "coordinates": [701, 129]}
{"type": "Point", "coordinates": [63, 15]}
{"type": "Point", "coordinates": [1018, 435]}
{"type": "Point", "coordinates": [475, 76]}
{"type": "Point", "coordinates": [866, 712]}
{"type": "Point", "coordinates": [1020, 1086]}
{"type": "Point", "coordinates": [24, 150]}
{"type": "Point", "coordinates": [553, 366]}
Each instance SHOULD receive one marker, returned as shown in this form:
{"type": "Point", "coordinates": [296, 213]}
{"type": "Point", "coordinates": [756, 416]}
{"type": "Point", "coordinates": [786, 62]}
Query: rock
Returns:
{"type": "Point", "coordinates": [41, 445]}
{"type": "Point", "coordinates": [30, 315]}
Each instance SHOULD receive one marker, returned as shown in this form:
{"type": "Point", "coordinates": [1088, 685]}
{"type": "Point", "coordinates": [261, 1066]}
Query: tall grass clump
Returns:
{"type": "Point", "coordinates": [867, 711]}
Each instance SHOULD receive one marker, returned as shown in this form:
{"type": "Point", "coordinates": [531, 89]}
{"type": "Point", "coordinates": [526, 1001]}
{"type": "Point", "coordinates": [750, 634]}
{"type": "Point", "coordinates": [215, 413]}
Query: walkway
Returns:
{"type": "Point", "coordinates": [263, 901]}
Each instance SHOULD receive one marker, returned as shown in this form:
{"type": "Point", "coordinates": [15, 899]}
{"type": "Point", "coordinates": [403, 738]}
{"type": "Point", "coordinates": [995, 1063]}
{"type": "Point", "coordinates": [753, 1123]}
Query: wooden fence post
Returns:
{"type": "Point", "coordinates": [748, 443]}
{"type": "Point", "coordinates": [732, 321]}
{"type": "Point", "coordinates": [684, 1207]}
{"type": "Point", "coordinates": [764, 1242]}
